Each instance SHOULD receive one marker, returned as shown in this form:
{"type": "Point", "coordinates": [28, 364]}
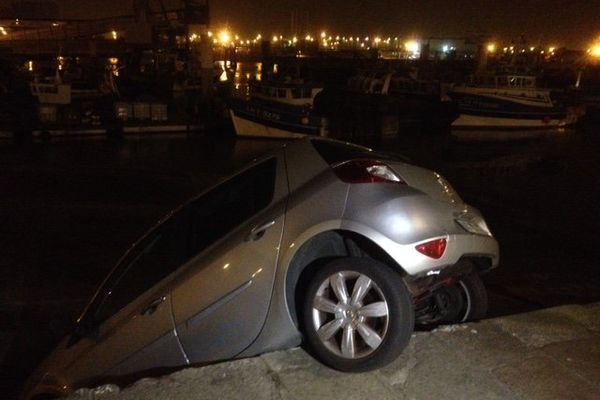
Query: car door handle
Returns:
{"type": "Point", "coordinates": [258, 231]}
{"type": "Point", "coordinates": [152, 307]}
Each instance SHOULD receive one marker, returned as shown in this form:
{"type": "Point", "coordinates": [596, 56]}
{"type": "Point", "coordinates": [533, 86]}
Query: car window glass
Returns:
{"type": "Point", "coordinates": [221, 210]}
{"type": "Point", "coordinates": [186, 233]}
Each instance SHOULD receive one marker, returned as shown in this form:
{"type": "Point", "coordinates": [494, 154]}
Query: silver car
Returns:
{"type": "Point", "coordinates": [322, 241]}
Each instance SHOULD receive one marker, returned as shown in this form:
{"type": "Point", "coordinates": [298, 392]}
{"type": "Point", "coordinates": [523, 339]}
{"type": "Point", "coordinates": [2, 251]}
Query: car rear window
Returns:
{"type": "Point", "coordinates": [334, 152]}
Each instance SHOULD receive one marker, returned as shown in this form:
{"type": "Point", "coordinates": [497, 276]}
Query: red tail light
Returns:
{"type": "Point", "coordinates": [434, 249]}
{"type": "Point", "coordinates": [366, 171]}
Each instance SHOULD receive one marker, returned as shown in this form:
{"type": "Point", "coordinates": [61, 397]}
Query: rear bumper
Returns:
{"type": "Point", "coordinates": [458, 246]}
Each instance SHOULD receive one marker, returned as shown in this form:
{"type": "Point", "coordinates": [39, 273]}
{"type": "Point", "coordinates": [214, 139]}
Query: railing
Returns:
{"type": "Point", "coordinates": [70, 30]}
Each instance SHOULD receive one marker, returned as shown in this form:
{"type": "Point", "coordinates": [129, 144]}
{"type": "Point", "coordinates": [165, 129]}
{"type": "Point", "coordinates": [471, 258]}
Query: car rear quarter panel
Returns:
{"type": "Point", "coordinates": [399, 212]}
{"type": "Point", "coordinates": [398, 217]}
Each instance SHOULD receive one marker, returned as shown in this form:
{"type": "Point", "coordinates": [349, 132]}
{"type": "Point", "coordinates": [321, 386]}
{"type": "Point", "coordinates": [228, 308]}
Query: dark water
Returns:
{"type": "Point", "coordinates": [69, 209]}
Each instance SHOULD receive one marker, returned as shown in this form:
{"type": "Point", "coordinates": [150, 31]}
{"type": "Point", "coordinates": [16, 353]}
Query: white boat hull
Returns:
{"type": "Point", "coordinates": [476, 121]}
{"type": "Point", "coordinates": [248, 128]}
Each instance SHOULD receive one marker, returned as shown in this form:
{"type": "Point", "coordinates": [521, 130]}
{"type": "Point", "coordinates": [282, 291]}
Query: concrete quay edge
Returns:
{"type": "Point", "coordinates": [548, 354]}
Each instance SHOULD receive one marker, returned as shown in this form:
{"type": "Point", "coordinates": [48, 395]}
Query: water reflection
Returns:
{"type": "Point", "coordinates": [242, 73]}
{"type": "Point", "coordinates": [498, 135]}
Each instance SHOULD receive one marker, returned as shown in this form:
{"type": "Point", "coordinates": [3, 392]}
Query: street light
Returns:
{"type": "Point", "coordinates": [224, 37]}
{"type": "Point", "coordinates": [412, 46]}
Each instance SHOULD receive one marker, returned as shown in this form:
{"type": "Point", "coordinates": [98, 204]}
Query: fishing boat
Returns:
{"type": "Point", "coordinates": [414, 99]}
{"type": "Point", "coordinates": [278, 109]}
{"type": "Point", "coordinates": [508, 101]}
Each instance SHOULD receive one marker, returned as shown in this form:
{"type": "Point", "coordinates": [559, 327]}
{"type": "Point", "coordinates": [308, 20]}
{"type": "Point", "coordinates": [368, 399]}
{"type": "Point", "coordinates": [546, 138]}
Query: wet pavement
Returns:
{"type": "Point", "coordinates": [70, 208]}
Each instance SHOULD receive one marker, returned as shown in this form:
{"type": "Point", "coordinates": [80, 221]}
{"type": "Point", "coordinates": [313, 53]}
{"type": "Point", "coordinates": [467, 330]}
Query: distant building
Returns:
{"type": "Point", "coordinates": [445, 48]}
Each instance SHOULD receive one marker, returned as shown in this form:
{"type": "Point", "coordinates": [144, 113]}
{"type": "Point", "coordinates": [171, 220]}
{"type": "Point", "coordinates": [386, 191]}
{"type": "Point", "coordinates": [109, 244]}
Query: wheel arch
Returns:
{"type": "Point", "coordinates": [322, 248]}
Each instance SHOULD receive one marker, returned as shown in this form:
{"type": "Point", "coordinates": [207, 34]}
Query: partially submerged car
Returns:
{"type": "Point", "coordinates": [321, 240]}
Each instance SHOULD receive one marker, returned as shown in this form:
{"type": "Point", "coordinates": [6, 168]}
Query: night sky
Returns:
{"type": "Point", "coordinates": [573, 23]}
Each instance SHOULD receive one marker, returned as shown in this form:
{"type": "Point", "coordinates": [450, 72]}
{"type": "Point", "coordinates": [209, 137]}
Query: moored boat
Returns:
{"type": "Point", "coordinates": [278, 109]}
{"type": "Point", "coordinates": [415, 99]}
{"type": "Point", "coordinates": [508, 101]}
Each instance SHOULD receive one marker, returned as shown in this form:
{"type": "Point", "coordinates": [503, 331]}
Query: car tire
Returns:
{"type": "Point", "coordinates": [470, 297]}
{"type": "Point", "coordinates": [357, 314]}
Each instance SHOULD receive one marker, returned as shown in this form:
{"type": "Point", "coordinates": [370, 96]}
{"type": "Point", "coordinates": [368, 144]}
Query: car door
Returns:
{"type": "Point", "coordinates": [131, 320]}
{"type": "Point", "coordinates": [220, 306]}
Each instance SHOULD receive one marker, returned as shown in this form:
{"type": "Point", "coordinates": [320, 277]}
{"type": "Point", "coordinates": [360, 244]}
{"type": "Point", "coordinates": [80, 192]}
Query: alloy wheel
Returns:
{"type": "Point", "coordinates": [350, 314]}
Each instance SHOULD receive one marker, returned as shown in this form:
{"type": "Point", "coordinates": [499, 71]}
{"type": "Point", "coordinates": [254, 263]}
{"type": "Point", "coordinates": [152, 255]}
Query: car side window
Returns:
{"type": "Point", "coordinates": [186, 233]}
{"type": "Point", "coordinates": [221, 210]}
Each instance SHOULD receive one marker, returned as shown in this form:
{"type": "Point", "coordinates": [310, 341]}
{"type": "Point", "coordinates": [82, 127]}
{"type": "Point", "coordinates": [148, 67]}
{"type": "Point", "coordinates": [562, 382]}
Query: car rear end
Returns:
{"type": "Point", "coordinates": [412, 213]}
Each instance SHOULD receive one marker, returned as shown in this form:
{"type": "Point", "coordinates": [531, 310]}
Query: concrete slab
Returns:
{"type": "Point", "coordinates": [592, 320]}
{"type": "Point", "coordinates": [397, 373]}
{"type": "Point", "coordinates": [322, 383]}
{"type": "Point", "coordinates": [431, 368]}
{"type": "Point", "coordinates": [236, 380]}
{"type": "Point", "coordinates": [296, 358]}
{"type": "Point", "coordinates": [544, 379]}
{"type": "Point", "coordinates": [582, 357]}
{"type": "Point", "coordinates": [540, 328]}
{"type": "Point", "coordinates": [484, 344]}
{"type": "Point", "coordinates": [302, 377]}
{"type": "Point", "coordinates": [587, 315]}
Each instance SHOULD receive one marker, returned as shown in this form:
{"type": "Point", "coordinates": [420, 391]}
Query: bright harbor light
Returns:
{"type": "Point", "coordinates": [224, 36]}
{"type": "Point", "coordinates": [412, 46]}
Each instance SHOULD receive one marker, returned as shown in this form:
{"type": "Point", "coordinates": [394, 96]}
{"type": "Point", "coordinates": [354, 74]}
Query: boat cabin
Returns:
{"type": "Point", "coordinates": [515, 81]}
{"type": "Point", "coordinates": [504, 81]}
{"type": "Point", "coordinates": [51, 93]}
{"type": "Point", "coordinates": [296, 94]}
